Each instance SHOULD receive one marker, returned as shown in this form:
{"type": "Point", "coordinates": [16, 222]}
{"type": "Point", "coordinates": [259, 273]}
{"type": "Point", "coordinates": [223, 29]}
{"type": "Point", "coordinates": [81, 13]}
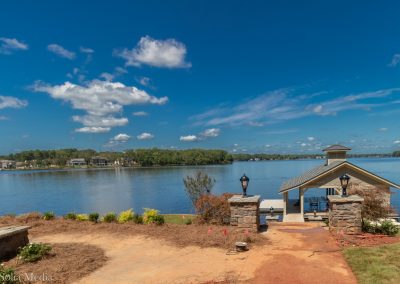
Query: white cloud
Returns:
{"type": "Point", "coordinates": [9, 45]}
{"type": "Point", "coordinates": [395, 60]}
{"type": "Point", "coordinates": [122, 137]}
{"type": "Point", "coordinates": [383, 129]}
{"type": "Point", "coordinates": [61, 51]}
{"type": "Point", "coordinates": [118, 71]}
{"type": "Point", "coordinates": [310, 138]}
{"type": "Point", "coordinates": [86, 50]}
{"type": "Point", "coordinates": [140, 113]}
{"type": "Point", "coordinates": [288, 104]}
{"type": "Point", "coordinates": [144, 81]}
{"type": "Point", "coordinates": [2, 117]}
{"type": "Point", "coordinates": [167, 53]}
{"type": "Point", "coordinates": [256, 124]}
{"type": "Point", "coordinates": [267, 145]}
{"type": "Point", "coordinates": [145, 136]}
{"type": "Point", "coordinates": [303, 145]}
{"type": "Point", "coordinates": [12, 102]}
{"type": "Point", "coordinates": [396, 142]}
{"type": "Point", "coordinates": [93, 129]}
{"type": "Point", "coordinates": [101, 100]}
{"type": "Point", "coordinates": [212, 132]}
{"type": "Point", "coordinates": [189, 138]}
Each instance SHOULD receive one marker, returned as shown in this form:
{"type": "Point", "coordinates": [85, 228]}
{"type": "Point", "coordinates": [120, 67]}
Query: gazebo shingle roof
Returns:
{"type": "Point", "coordinates": [336, 147]}
{"type": "Point", "coordinates": [309, 175]}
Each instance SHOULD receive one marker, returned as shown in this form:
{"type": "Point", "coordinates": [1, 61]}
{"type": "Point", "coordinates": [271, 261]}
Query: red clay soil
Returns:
{"type": "Point", "coordinates": [66, 263]}
{"type": "Point", "coordinates": [365, 240]}
{"type": "Point", "coordinates": [306, 253]}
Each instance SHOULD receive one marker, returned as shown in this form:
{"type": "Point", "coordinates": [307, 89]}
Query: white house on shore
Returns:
{"type": "Point", "coordinates": [7, 164]}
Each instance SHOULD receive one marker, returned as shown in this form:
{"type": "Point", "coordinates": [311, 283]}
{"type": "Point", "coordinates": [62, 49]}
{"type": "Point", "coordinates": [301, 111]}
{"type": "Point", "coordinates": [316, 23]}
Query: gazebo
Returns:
{"type": "Point", "coordinates": [326, 176]}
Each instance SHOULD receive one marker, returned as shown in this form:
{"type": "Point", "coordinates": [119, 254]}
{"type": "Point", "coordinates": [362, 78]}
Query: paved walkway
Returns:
{"type": "Point", "coordinates": [297, 253]}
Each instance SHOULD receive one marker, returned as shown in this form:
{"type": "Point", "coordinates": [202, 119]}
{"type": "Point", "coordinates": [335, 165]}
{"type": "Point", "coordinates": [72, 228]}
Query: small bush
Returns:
{"type": "Point", "coordinates": [188, 222]}
{"type": "Point", "coordinates": [82, 217]}
{"type": "Point", "coordinates": [110, 217]}
{"type": "Point", "coordinates": [125, 216]}
{"type": "Point", "coordinates": [70, 216]}
{"type": "Point", "coordinates": [33, 252]}
{"type": "Point", "coordinates": [7, 275]}
{"type": "Point", "coordinates": [151, 216]}
{"type": "Point", "coordinates": [159, 220]}
{"type": "Point", "coordinates": [214, 209]}
{"type": "Point", "coordinates": [137, 219]}
{"type": "Point", "coordinates": [368, 227]}
{"type": "Point", "coordinates": [388, 228]}
{"type": "Point", "coordinates": [48, 215]}
{"type": "Point", "coordinates": [94, 217]}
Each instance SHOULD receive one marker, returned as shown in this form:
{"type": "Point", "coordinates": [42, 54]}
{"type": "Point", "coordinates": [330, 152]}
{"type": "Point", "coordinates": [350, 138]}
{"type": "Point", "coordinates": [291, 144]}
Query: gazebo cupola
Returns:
{"type": "Point", "coordinates": [336, 153]}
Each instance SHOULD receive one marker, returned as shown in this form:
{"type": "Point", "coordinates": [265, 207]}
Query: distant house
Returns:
{"type": "Point", "coordinates": [7, 164]}
{"type": "Point", "coordinates": [77, 162]}
{"type": "Point", "coordinates": [99, 161]}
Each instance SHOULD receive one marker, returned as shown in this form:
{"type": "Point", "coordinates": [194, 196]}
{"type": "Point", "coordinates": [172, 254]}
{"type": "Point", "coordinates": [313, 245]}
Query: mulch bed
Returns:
{"type": "Point", "coordinates": [365, 240]}
{"type": "Point", "coordinates": [66, 263]}
{"type": "Point", "coordinates": [178, 235]}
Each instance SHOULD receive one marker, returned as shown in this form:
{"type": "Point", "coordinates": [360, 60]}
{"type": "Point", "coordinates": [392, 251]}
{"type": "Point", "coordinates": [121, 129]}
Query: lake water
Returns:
{"type": "Point", "coordinates": [161, 188]}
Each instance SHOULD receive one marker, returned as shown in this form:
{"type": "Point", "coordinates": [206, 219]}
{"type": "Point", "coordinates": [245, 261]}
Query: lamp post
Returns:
{"type": "Point", "coordinates": [244, 180]}
{"type": "Point", "coordinates": [344, 181]}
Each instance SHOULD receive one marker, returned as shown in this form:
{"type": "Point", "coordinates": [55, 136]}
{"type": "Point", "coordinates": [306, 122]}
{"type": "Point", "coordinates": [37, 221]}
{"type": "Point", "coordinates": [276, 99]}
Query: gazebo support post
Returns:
{"type": "Point", "coordinates": [301, 193]}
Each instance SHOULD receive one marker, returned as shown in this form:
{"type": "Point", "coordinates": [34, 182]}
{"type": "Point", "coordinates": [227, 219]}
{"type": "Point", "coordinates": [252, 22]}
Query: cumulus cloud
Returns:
{"type": "Point", "coordinates": [12, 102]}
{"type": "Point", "coordinates": [140, 113]}
{"type": "Point", "coordinates": [145, 136]}
{"type": "Point", "coordinates": [122, 137]}
{"type": "Point", "coordinates": [167, 53]}
{"type": "Point", "coordinates": [396, 142]}
{"type": "Point", "coordinates": [395, 60]}
{"type": "Point", "coordinates": [101, 100]}
{"type": "Point", "coordinates": [93, 129]}
{"type": "Point", "coordinates": [211, 132]}
{"type": "Point", "coordinates": [310, 138]}
{"type": "Point", "coordinates": [189, 138]}
{"type": "Point", "coordinates": [9, 45]}
{"type": "Point", "coordinates": [61, 51]}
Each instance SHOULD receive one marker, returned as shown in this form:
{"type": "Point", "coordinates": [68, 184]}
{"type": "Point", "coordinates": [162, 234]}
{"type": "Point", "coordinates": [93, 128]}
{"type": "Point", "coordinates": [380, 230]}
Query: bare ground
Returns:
{"type": "Point", "coordinates": [297, 253]}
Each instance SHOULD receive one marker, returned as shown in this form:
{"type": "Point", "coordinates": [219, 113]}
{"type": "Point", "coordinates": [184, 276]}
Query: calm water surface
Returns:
{"type": "Point", "coordinates": [161, 188]}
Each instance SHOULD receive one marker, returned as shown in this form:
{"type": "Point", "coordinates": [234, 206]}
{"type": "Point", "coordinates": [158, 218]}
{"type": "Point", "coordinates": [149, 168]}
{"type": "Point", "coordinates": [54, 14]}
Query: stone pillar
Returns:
{"type": "Point", "coordinates": [245, 212]}
{"type": "Point", "coordinates": [345, 214]}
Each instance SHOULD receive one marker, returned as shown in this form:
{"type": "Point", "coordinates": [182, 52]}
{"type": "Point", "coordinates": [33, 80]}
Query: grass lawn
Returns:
{"type": "Point", "coordinates": [178, 218]}
{"type": "Point", "coordinates": [375, 264]}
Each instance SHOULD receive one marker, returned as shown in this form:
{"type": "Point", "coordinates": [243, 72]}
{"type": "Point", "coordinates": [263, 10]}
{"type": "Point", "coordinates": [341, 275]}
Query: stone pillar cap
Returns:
{"type": "Point", "coordinates": [244, 199]}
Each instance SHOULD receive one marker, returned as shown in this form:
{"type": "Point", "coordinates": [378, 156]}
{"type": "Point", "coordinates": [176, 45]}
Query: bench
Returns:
{"type": "Point", "coordinates": [12, 238]}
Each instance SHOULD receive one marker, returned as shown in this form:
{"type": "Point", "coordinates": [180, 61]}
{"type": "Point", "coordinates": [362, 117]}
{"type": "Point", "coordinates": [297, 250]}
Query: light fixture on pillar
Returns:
{"type": "Point", "coordinates": [344, 181]}
{"type": "Point", "coordinates": [244, 180]}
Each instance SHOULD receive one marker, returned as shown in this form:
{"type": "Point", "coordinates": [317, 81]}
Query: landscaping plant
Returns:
{"type": "Point", "coordinates": [137, 219]}
{"type": "Point", "coordinates": [94, 217]}
{"type": "Point", "coordinates": [125, 216]}
{"type": "Point", "coordinates": [213, 209]}
{"type": "Point", "coordinates": [110, 217]}
{"type": "Point", "coordinates": [198, 185]}
{"type": "Point", "coordinates": [7, 275]}
{"type": "Point", "coordinates": [33, 252]}
{"type": "Point", "coordinates": [48, 215]}
{"type": "Point", "coordinates": [82, 217]}
{"type": "Point", "coordinates": [70, 216]}
{"type": "Point", "coordinates": [152, 216]}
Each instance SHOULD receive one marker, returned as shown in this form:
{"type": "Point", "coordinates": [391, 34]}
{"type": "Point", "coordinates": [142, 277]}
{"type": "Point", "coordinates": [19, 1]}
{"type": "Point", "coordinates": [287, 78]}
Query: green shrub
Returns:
{"type": "Point", "coordinates": [33, 252]}
{"type": "Point", "coordinates": [70, 216]}
{"type": "Point", "coordinates": [94, 217]}
{"type": "Point", "coordinates": [188, 222]}
{"type": "Point", "coordinates": [7, 275]}
{"type": "Point", "coordinates": [125, 216]}
{"type": "Point", "coordinates": [137, 219]}
{"type": "Point", "coordinates": [48, 215]}
{"type": "Point", "coordinates": [152, 216]}
{"type": "Point", "coordinates": [110, 217]}
{"type": "Point", "coordinates": [82, 217]}
{"type": "Point", "coordinates": [368, 227]}
{"type": "Point", "coordinates": [388, 228]}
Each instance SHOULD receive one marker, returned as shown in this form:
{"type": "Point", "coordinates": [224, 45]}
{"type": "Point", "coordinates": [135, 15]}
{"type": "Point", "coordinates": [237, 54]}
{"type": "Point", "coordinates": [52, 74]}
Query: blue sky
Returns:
{"type": "Point", "coordinates": [256, 76]}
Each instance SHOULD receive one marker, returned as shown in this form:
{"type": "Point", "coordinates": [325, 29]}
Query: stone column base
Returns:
{"type": "Point", "coordinates": [345, 214]}
{"type": "Point", "coordinates": [245, 212]}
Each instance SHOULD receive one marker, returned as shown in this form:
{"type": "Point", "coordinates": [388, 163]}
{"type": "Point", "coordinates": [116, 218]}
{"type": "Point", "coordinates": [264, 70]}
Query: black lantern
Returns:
{"type": "Point", "coordinates": [344, 181]}
{"type": "Point", "coordinates": [245, 182]}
